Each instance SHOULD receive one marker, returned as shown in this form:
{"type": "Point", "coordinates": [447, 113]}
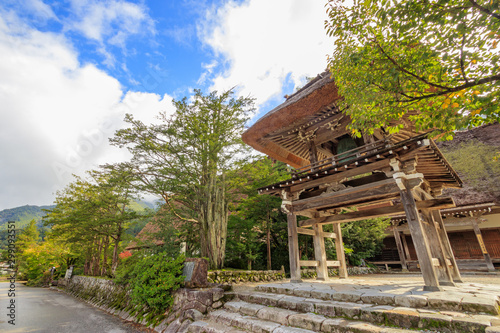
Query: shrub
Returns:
{"type": "Point", "coordinates": [152, 279]}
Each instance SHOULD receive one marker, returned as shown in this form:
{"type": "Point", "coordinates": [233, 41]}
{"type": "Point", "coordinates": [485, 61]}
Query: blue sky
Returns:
{"type": "Point", "coordinates": [71, 69]}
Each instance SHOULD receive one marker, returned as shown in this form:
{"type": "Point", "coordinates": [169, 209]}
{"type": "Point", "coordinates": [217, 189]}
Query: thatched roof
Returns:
{"type": "Point", "coordinates": [316, 95]}
{"type": "Point", "coordinates": [471, 154]}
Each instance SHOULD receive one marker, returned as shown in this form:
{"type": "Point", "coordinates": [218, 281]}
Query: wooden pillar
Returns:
{"type": "Point", "coordinates": [405, 246]}
{"type": "Point", "coordinates": [447, 246]}
{"type": "Point", "coordinates": [339, 249]}
{"type": "Point", "coordinates": [480, 240]}
{"type": "Point", "coordinates": [419, 240]}
{"type": "Point", "coordinates": [399, 245]}
{"type": "Point", "coordinates": [320, 252]}
{"type": "Point", "coordinates": [293, 248]}
{"type": "Point", "coordinates": [436, 245]}
{"type": "Point", "coordinates": [313, 154]}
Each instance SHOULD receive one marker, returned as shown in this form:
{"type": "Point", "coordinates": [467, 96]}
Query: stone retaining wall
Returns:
{"type": "Point", "coordinates": [245, 276]}
{"type": "Point", "coordinates": [189, 304]}
{"type": "Point", "coordinates": [311, 273]}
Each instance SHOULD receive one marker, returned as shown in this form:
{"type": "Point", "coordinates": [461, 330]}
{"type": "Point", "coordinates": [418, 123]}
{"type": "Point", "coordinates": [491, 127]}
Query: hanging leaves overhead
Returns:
{"type": "Point", "coordinates": [439, 58]}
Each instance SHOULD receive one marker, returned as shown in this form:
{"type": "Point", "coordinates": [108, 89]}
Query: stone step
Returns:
{"type": "Point", "coordinates": [260, 318]}
{"type": "Point", "coordinates": [285, 306]}
{"type": "Point", "coordinates": [452, 300]}
{"type": "Point", "coordinates": [207, 326]}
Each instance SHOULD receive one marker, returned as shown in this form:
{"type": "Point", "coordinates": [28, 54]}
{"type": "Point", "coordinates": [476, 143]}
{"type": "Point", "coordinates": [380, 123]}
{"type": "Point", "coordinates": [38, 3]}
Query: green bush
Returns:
{"type": "Point", "coordinates": [152, 279]}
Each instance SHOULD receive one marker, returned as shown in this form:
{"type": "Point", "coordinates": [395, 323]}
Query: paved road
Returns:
{"type": "Point", "coordinates": [50, 311]}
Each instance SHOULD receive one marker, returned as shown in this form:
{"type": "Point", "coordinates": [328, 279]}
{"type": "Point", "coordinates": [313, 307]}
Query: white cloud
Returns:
{"type": "Point", "coordinates": [56, 114]}
{"type": "Point", "coordinates": [110, 22]}
{"type": "Point", "coordinates": [262, 42]}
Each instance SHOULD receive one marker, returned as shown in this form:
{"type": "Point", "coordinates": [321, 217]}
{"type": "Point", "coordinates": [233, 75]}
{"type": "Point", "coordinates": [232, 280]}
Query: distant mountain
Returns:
{"type": "Point", "coordinates": [22, 215]}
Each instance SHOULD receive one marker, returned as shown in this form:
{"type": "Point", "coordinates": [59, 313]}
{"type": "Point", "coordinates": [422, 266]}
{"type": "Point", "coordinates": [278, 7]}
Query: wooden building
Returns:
{"type": "Point", "coordinates": [474, 225]}
{"type": "Point", "coordinates": [338, 179]}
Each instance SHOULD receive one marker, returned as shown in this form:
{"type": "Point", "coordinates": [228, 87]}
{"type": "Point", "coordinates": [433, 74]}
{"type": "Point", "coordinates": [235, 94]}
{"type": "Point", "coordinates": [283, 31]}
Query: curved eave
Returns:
{"type": "Point", "coordinates": [317, 94]}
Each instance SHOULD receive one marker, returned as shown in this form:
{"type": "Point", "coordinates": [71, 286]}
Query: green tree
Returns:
{"type": "Point", "coordinates": [257, 219]}
{"type": "Point", "coordinates": [436, 62]}
{"type": "Point", "coordinates": [365, 238]}
{"type": "Point", "coordinates": [186, 160]}
{"type": "Point", "coordinates": [92, 215]}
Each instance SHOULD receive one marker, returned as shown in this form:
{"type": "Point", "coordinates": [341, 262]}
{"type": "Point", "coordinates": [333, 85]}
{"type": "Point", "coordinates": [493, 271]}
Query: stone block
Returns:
{"type": "Point", "coordinates": [284, 329]}
{"type": "Point", "coordinates": [325, 309]}
{"type": "Point", "coordinates": [363, 328]}
{"type": "Point", "coordinates": [193, 314]}
{"type": "Point", "coordinates": [435, 321]}
{"type": "Point", "coordinates": [276, 315]}
{"type": "Point", "coordinates": [195, 305]}
{"type": "Point", "coordinates": [265, 299]}
{"type": "Point", "coordinates": [307, 321]}
{"type": "Point", "coordinates": [195, 270]}
{"type": "Point", "coordinates": [374, 314]}
{"type": "Point", "coordinates": [346, 296]}
{"type": "Point", "coordinates": [444, 301]}
{"type": "Point", "coordinates": [402, 317]}
{"type": "Point", "coordinates": [197, 327]}
{"type": "Point", "coordinates": [184, 326]}
{"type": "Point", "coordinates": [250, 309]}
{"type": "Point", "coordinates": [410, 301]}
{"type": "Point", "coordinates": [334, 325]}
{"type": "Point", "coordinates": [378, 298]}
{"type": "Point", "coordinates": [323, 294]}
{"type": "Point", "coordinates": [234, 306]}
{"type": "Point", "coordinates": [303, 291]}
{"type": "Point", "coordinates": [217, 294]}
{"type": "Point", "coordinates": [492, 329]}
{"type": "Point", "coordinates": [472, 325]}
{"type": "Point", "coordinates": [478, 304]}
{"type": "Point", "coordinates": [261, 326]}
{"type": "Point", "coordinates": [295, 303]}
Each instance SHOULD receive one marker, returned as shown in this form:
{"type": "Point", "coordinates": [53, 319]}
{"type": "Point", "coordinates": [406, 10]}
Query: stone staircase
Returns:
{"type": "Point", "coordinates": [319, 307]}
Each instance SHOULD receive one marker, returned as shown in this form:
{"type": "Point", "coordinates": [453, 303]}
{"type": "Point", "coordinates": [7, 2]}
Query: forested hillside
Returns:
{"type": "Point", "coordinates": [22, 215]}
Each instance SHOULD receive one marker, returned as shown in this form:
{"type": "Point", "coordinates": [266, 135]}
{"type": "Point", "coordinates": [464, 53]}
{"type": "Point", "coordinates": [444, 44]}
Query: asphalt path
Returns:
{"type": "Point", "coordinates": [52, 311]}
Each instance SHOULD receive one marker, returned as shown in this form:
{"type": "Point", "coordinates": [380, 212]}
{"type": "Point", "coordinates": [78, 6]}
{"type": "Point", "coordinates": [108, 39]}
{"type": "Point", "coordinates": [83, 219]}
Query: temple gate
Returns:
{"type": "Point", "coordinates": [341, 179]}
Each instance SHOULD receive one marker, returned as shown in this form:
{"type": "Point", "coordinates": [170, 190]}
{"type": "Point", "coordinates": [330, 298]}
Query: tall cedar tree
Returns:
{"type": "Point", "coordinates": [186, 158]}
{"type": "Point", "coordinates": [438, 57]}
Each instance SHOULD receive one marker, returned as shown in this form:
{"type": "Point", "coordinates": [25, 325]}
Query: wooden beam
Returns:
{"type": "Point", "coordinates": [304, 231]}
{"type": "Point", "coordinates": [339, 249]}
{"type": "Point", "coordinates": [399, 245]}
{"type": "Point", "coordinates": [432, 204]}
{"type": "Point", "coordinates": [293, 248]}
{"type": "Point", "coordinates": [419, 240]}
{"type": "Point", "coordinates": [332, 263]}
{"type": "Point", "coordinates": [320, 253]}
{"type": "Point", "coordinates": [341, 175]}
{"type": "Point", "coordinates": [308, 263]}
{"type": "Point", "coordinates": [480, 240]}
{"type": "Point", "coordinates": [349, 196]}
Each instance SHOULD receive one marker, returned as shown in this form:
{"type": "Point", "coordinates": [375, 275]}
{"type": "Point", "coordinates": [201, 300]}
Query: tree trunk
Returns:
{"type": "Point", "coordinates": [115, 250]}
{"type": "Point", "coordinates": [268, 223]}
{"type": "Point", "coordinates": [213, 218]}
{"type": "Point", "coordinates": [105, 255]}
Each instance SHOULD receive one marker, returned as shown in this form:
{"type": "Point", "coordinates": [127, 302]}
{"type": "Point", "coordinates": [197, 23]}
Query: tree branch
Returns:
{"type": "Point", "coordinates": [484, 10]}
